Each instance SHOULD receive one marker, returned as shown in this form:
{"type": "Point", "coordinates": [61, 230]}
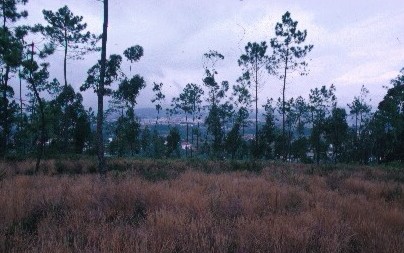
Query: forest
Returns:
{"type": "Point", "coordinates": [212, 170]}
{"type": "Point", "coordinates": [50, 120]}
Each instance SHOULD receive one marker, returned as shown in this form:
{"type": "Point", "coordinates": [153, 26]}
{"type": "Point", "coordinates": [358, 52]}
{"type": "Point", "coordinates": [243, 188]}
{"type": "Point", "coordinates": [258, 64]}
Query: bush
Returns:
{"type": "Point", "coordinates": [250, 165]}
{"type": "Point", "coordinates": [154, 174]}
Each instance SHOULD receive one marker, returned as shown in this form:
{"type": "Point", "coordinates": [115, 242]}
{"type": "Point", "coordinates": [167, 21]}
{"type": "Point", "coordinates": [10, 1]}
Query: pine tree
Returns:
{"type": "Point", "coordinates": [289, 53]}
{"type": "Point", "coordinates": [67, 31]}
{"type": "Point", "coordinates": [11, 55]}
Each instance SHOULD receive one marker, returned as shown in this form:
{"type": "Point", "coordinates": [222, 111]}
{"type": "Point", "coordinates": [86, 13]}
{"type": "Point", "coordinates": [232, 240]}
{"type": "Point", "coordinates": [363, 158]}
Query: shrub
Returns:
{"type": "Point", "coordinates": [250, 165]}
{"type": "Point", "coordinates": [153, 173]}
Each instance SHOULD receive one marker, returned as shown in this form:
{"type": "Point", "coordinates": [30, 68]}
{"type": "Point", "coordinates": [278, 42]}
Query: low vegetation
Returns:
{"type": "Point", "coordinates": [199, 206]}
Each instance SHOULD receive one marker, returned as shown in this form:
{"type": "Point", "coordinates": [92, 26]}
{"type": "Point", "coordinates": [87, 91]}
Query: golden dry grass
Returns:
{"type": "Point", "coordinates": [284, 208]}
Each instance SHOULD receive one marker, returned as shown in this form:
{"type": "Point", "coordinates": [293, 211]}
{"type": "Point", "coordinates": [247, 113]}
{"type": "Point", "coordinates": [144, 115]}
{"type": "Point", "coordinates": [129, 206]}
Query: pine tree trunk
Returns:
{"type": "Point", "coordinates": [192, 134]}
{"type": "Point", "coordinates": [65, 60]}
{"type": "Point", "coordinates": [283, 107]}
{"type": "Point", "coordinates": [42, 115]}
{"type": "Point", "coordinates": [186, 146]}
{"type": "Point", "coordinates": [197, 138]}
{"type": "Point", "coordinates": [6, 129]}
{"type": "Point", "coordinates": [256, 105]}
{"type": "Point", "coordinates": [5, 81]}
{"type": "Point", "coordinates": [100, 93]}
{"type": "Point", "coordinates": [42, 135]}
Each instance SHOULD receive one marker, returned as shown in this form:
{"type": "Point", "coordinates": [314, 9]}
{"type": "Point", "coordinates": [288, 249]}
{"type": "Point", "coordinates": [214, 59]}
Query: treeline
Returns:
{"type": "Point", "coordinates": [50, 120]}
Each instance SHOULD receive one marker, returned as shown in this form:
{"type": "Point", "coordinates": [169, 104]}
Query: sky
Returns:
{"type": "Point", "coordinates": [356, 42]}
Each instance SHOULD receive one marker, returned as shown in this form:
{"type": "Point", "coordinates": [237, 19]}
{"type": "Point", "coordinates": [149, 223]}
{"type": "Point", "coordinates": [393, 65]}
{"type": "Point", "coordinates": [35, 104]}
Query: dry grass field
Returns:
{"type": "Point", "coordinates": [179, 206]}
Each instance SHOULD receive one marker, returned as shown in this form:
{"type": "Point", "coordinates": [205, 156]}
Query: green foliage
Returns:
{"type": "Point", "coordinates": [126, 135]}
{"type": "Point", "coordinates": [54, 121]}
{"type": "Point", "coordinates": [242, 100]}
{"type": "Point", "coordinates": [216, 91]}
{"type": "Point", "coordinates": [134, 53]}
{"type": "Point", "coordinates": [66, 30]}
{"type": "Point", "coordinates": [249, 165]}
{"type": "Point", "coordinates": [11, 56]}
{"type": "Point", "coordinates": [288, 55]}
{"type": "Point", "coordinates": [360, 110]}
{"type": "Point", "coordinates": [129, 90]}
{"type": "Point", "coordinates": [145, 141]}
{"type": "Point", "coordinates": [219, 112]}
{"type": "Point", "coordinates": [267, 134]}
{"type": "Point", "coordinates": [158, 98]}
{"type": "Point", "coordinates": [214, 127]}
{"type": "Point", "coordinates": [321, 102]}
{"type": "Point", "coordinates": [233, 141]}
{"type": "Point", "coordinates": [9, 10]}
{"type": "Point", "coordinates": [287, 45]}
{"type": "Point", "coordinates": [154, 174]}
{"type": "Point", "coordinates": [299, 148]}
{"type": "Point", "coordinates": [336, 130]}
{"type": "Point", "coordinates": [11, 49]}
{"type": "Point", "coordinates": [37, 76]}
{"type": "Point", "coordinates": [69, 122]}
{"type": "Point", "coordinates": [158, 145]}
{"type": "Point", "coordinates": [8, 116]}
{"type": "Point", "coordinates": [113, 73]}
{"type": "Point", "coordinates": [173, 143]}
{"type": "Point", "coordinates": [390, 118]}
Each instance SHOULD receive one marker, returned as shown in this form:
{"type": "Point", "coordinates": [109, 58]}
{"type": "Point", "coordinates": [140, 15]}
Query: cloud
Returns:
{"type": "Point", "coordinates": [355, 43]}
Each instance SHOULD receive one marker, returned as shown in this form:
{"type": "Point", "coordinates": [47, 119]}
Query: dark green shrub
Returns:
{"type": "Point", "coordinates": [250, 165]}
{"type": "Point", "coordinates": [60, 167]}
{"type": "Point", "coordinates": [154, 174]}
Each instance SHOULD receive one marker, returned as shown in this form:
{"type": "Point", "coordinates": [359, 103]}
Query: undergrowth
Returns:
{"type": "Point", "coordinates": [199, 206]}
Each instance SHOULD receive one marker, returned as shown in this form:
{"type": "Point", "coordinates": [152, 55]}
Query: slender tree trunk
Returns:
{"type": "Point", "coordinates": [192, 134]}
{"type": "Point", "coordinates": [21, 111]}
{"type": "Point", "coordinates": [318, 150]}
{"type": "Point", "coordinates": [283, 104]}
{"type": "Point", "coordinates": [186, 146]}
{"type": "Point", "coordinates": [42, 135]}
{"type": "Point", "coordinates": [336, 150]}
{"type": "Point", "coordinates": [100, 94]}
{"type": "Point", "coordinates": [197, 138]}
{"type": "Point", "coordinates": [65, 135]}
{"type": "Point", "coordinates": [65, 60]}
{"type": "Point", "coordinates": [19, 76]}
{"type": "Point", "coordinates": [5, 84]}
{"type": "Point", "coordinates": [132, 119]}
{"type": "Point", "coordinates": [289, 141]}
{"type": "Point", "coordinates": [6, 129]}
{"type": "Point", "coordinates": [256, 104]}
{"type": "Point", "coordinates": [42, 116]}
{"type": "Point", "coordinates": [360, 143]}
{"type": "Point", "coordinates": [356, 140]}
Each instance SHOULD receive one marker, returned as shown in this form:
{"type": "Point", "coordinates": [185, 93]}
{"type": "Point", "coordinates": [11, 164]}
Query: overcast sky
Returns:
{"type": "Point", "coordinates": [356, 43]}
